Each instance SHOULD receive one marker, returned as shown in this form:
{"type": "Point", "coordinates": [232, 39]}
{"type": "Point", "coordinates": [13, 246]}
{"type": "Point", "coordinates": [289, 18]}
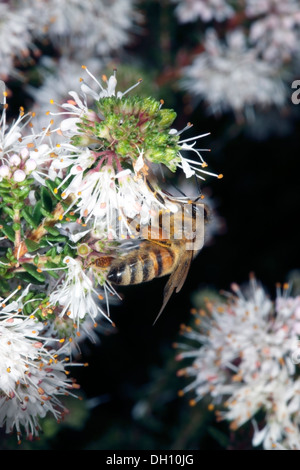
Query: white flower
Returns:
{"type": "Point", "coordinates": [264, 7]}
{"type": "Point", "coordinates": [243, 358]}
{"type": "Point", "coordinates": [91, 329]}
{"type": "Point", "coordinates": [16, 25]}
{"type": "Point", "coordinates": [192, 167]}
{"type": "Point", "coordinates": [275, 29]}
{"type": "Point", "coordinates": [109, 185]}
{"type": "Point", "coordinates": [206, 10]}
{"type": "Point", "coordinates": [31, 376]}
{"type": "Point", "coordinates": [23, 151]}
{"type": "Point", "coordinates": [76, 294]}
{"type": "Point", "coordinates": [59, 77]}
{"type": "Point", "coordinates": [34, 396]}
{"type": "Point", "coordinates": [231, 77]}
{"type": "Point", "coordinates": [86, 28]}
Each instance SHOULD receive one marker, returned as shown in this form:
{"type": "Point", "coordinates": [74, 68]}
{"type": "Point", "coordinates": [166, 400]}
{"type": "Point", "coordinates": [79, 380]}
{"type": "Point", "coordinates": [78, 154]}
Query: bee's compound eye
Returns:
{"type": "Point", "coordinates": [113, 275]}
{"type": "Point", "coordinates": [116, 273]}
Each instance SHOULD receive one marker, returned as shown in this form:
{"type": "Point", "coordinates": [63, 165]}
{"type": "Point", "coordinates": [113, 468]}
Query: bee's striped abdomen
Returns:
{"type": "Point", "coordinates": [143, 264]}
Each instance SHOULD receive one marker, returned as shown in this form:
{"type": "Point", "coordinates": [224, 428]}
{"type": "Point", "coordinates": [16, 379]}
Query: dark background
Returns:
{"type": "Point", "coordinates": [131, 379]}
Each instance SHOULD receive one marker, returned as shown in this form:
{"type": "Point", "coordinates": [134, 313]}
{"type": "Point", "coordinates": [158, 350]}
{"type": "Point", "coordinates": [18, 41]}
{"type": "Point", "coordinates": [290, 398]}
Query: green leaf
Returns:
{"type": "Point", "coordinates": [28, 278]}
{"type": "Point", "coordinates": [46, 200]}
{"type": "Point", "coordinates": [32, 270]}
{"type": "Point", "coordinates": [51, 253]}
{"type": "Point", "coordinates": [51, 266]}
{"type": "Point", "coordinates": [4, 286]}
{"type": "Point", "coordinates": [52, 230]}
{"type": "Point", "coordinates": [31, 245]}
{"type": "Point", "coordinates": [52, 185]}
{"type": "Point", "coordinates": [28, 217]}
{"type": "Point", "coordinates": [9, 232]}
{"type": "Point", "coordinates": [45, 213]}
{"type": "Point", "coordinates": [8, 210]}
{"type": "Point", "coordinates": [36, 214]}
{"type": "Point", "coordinates": [58, 239]}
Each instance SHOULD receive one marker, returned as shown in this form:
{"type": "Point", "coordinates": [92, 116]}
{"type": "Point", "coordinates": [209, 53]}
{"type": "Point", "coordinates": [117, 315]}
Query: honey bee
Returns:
{"type": "Point", "coordinates": [166, 248]}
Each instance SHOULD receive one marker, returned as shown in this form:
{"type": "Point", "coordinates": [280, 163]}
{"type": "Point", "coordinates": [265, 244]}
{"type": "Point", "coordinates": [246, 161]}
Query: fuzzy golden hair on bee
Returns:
{"type": "Point", "coordinates": [161, 251]}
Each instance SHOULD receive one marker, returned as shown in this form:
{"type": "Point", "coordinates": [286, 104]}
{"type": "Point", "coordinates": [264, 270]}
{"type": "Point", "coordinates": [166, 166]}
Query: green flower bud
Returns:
{"type": "Point", "coordinates": [166, 117]}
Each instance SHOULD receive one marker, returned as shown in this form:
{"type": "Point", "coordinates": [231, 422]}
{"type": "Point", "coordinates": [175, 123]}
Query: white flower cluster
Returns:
{"type": "Point", "coordinates": [275, 30]}
{"type": "Point", "coordinates": [73, 179]}
{"type": "Point", "coordinates": [76, 29]}
{"type": "Point", "coordinates": [206, 10]}
{"type": "Point", "coordinates": [93, 26]}
{"type": "Point", "coordinates": [100, 186]}
{"type": "Point", "coordinates": [232, 77]}
{"type": "Point", "coordinates": [21, 149]}
{"type": "Point", "coordinates": [16, 41]}
{"type": "Point", "coordinates": [245, 67]}
{"type": "Point", "coordinates": [245, 357]}
{"type": "Point", "coordinates": [59, 76]}
{"type": "Point", "coordinates": [32, 376]}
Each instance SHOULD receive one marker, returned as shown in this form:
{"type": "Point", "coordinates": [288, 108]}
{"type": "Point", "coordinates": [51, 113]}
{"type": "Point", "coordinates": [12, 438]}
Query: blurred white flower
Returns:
{"type": "Point", "coordinates": [16, 43]}
{"type": "Point", "coordinates": [244, 359]}
{"type": "Point", "coordinates": [206, 10]}
{"type": "Point", "coordinates": [91, 329]}
{"type": "Point", "coordinates": [264, 7]}
{"type": "Point", "coordinates": [231, 77]}
{"type": "Point", "coordinates": [80, 29]}
{"type": "Point", "coordinates": [275, 28]}
{"type": "Point", "coordinates": [58, 78]}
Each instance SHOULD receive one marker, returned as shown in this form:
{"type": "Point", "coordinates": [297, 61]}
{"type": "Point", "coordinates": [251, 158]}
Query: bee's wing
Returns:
{"type": "Point", "coordinates": [176, 279]}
